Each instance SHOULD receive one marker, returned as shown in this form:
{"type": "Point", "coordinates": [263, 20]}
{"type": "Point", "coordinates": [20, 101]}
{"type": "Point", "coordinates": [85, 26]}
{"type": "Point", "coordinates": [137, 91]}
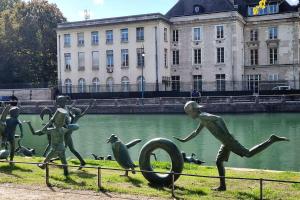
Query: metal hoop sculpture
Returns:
{"type": "Point", "coordinates": [174, 153]}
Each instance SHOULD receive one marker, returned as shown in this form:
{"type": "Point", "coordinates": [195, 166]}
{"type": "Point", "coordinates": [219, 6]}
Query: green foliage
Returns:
{"type": "Point", "coordinates": [8, 4]}
{"type": "Point", "coordinates": [28, 41]}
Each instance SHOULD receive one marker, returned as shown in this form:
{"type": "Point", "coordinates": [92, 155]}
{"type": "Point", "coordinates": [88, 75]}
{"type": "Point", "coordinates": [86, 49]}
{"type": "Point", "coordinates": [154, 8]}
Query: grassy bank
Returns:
{"type": "Point", "coordinates": [186, 187]}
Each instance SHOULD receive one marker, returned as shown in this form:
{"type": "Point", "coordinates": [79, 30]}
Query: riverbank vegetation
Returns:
{"type": "Point", "coordinates": [186, 187]}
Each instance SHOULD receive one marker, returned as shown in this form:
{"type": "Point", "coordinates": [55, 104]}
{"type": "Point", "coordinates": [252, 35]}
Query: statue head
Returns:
{"type": "Point", "coordinates": [113, 138]}
{"type": "Point", "coordinates": [14, 112]}
{"type": "Point", "coordinates": [192, 109]}
{"type": "Point", "coordinates": [61, 101]}
{"type": "Point", "coordinates": [59, 117]}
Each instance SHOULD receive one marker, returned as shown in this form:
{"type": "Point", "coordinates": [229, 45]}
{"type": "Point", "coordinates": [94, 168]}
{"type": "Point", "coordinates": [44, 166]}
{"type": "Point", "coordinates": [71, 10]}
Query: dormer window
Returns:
{"type": "Point", "coordinates": [198, 9]}
{"type": "Point", "coordinates": [270, 9]}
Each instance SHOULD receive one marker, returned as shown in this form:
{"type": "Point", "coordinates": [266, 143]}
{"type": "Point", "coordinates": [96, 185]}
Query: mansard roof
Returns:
{"type": "Point", "coordinates": [186, 7]}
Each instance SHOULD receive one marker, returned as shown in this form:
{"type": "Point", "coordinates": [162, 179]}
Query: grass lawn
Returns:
{"type": "Point", "coordinates": [186, 187]}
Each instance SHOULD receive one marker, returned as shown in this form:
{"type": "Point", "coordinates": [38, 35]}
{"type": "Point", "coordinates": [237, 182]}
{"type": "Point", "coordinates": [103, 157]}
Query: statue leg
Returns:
{"type": "Point", "coordinates": [48, 146]}
{"type": "Point", "coordinates": [12, 150]}
{"type": "Point", "coordinates": [222, 157]}
{"type": "Point", "coordinates": [260, 147]}
{"type": "Point", "coordinates": [50, 155]}
{"type": "Point", "coordinates": [69, 143]}
{"type": "Point", "coordinates": [63, 160]}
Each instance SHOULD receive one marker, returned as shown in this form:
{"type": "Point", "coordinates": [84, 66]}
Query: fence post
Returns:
{"type": "Point", "coordinates": [99, 178]}
{"type": "Point", "coordinates": [173, 184]}
{"type": "Point", "coordinates": [261, 188]}
{"type": "Point", "coordinates": [47, 175]}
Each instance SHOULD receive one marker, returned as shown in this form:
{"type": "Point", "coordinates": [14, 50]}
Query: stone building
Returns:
{"type": "Point", "coordinates": [205, 45]}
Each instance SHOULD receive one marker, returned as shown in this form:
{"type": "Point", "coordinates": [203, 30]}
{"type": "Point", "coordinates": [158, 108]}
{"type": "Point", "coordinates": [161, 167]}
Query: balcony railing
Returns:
{"type": "Point", "coordinates": [253, 86]}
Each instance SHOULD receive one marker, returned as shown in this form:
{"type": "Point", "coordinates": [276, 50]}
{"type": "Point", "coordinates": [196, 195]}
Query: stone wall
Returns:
{"type": "Point", "coordinates": [28, 94]}
{"type": "Point", "coordinates": [247, 104]}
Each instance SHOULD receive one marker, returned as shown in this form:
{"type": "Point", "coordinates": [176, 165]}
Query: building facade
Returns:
{"type": "Point", "coordinates": [198, 45]}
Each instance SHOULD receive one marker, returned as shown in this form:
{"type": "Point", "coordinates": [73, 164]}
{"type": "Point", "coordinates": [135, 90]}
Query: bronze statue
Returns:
{"type": "Point", "coordinates": [10, 129]}
{"type": "Point", "coordinates": [75, 114]}
{"type": "Point", "coordinates": [146, 166]}
{"type": "Point", "coordinates": [217, 127]}
{"type": "Point", "coordinates": [121, 154]}
{"type": "Point", "coordinates": [60, 102]}
{"type": "Point", "coordinates": [57, 128]}
{"type": "Point", "coordinates": [4, 114]}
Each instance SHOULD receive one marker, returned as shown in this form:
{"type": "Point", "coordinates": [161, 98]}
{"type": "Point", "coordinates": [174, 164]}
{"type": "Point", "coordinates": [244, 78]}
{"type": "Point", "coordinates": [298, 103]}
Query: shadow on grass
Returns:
{"type": "Point", "coordinates": [246, 196]}
{"type": "Point", "coordinates": [134, 181]}
{"type": "Point", "coordinates": [7, 169]}
{"type": "Point", "coordinates": [180, 190]}
{"type": "Point", "coordinates": [188, 191]}
{"type": "Point", "coordinates": [83, 174]}
{"type": "Point", "coordinates": [69, 180]}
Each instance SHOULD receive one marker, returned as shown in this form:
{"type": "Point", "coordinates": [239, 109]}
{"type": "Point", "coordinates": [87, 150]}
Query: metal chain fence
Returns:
{"type": "Point", "coordinates": [173, 188]}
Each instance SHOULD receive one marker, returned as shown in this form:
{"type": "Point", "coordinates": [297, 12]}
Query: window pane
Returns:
{"type": "Point", "coordinates": [80, 38]}
{"type": "Point", "coordinates": [197, 82]}
{"type": "Point", "coordinates": [124, 35]}
{"type": "Point", "coordinates": [95, 58]}
{"type": "Point", "coordinates": [67, 61]}
{"type": "Point", "coordinates": [81, 59]}
{"type": "Point", "coordinates": [109, 58]}
{"type": "Point", "coordinates": [124, 57]}
{"type": "Point", "coordinates": [109, 37]}
{"type": "Point", "coordinates": [67, 40]}
{"type": "Point", "coordinates": [197, 34]}
{"type": "Point", "coordinates": [140, 57]}
{"type": "Point", "coordinates": [140, 34]}
{"type": "Point", "coordinates": [95, 37]}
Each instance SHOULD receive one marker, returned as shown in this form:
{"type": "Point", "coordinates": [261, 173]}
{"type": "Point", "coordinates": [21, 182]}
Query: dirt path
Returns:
{"type": "Point", "coordinates": [12, 192]}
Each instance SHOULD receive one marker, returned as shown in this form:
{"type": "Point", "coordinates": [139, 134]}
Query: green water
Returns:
{"type": "Point", "coordinates": [249, 129]}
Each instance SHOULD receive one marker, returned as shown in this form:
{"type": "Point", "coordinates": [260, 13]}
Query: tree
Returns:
{"type": "Point", "coordinates": [28, 38]}
{"type": "Point", "coordinates": [8, 4]}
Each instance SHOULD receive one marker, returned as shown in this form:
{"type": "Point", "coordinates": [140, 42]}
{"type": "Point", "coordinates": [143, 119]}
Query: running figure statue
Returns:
{"type": "Point", "coordinates": [217, 127]}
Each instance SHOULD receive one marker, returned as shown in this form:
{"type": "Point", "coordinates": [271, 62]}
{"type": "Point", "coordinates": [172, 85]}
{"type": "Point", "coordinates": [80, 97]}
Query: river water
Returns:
{"type": "Point", "coordinates": [249, 129]}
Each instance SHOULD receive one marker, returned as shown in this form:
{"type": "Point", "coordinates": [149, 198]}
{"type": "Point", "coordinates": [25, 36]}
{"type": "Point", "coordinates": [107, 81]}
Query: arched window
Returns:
{"type": "Point", "coordinates": [110, 84]}
{"type": "Point", "coordinates": [125, 84]}
{"type": "Point", "coordinates": [96, 85]}
{"type": "Point", "coordinates": [81, 85]}
{"type": "Point", "coordinates": [140, 83]}
{"type": "Point", "coordinates": [68, 86]}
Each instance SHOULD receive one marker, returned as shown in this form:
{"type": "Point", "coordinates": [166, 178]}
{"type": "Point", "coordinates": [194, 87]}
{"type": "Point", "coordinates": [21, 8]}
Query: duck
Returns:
{"type": "Point", "coordinates": [4, 153]}
{"type": "Point", "coordinates": [191, 159]}
{"type": "Point", "coordinates": [108, 157]}
{"type": "Point", "coordinates": [24, 150]}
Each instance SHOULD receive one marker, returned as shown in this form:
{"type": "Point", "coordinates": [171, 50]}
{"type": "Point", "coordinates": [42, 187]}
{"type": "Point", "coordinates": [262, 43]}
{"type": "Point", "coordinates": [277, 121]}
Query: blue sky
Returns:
{"type": "Point", "coordinates": [74, 9]}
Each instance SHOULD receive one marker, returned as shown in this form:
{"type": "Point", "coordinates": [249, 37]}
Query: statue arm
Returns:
{"type": "Point", "coordinates": [87, 108]}
{"type": "Point", "coordinates": [5, 113]}
{"type": "Point", "coordinates": [72, 127]}
{"type": "Point", "coordinates": [21, 129]}
{"type": "Point", "coordinates": [192, 135]}
{"type": "Point", "coordinates": [38, 132]}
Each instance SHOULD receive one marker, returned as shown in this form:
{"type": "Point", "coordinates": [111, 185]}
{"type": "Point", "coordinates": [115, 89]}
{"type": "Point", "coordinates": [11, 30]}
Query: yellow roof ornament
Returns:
{"type": "Point", "coordinates": [261, 5]}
